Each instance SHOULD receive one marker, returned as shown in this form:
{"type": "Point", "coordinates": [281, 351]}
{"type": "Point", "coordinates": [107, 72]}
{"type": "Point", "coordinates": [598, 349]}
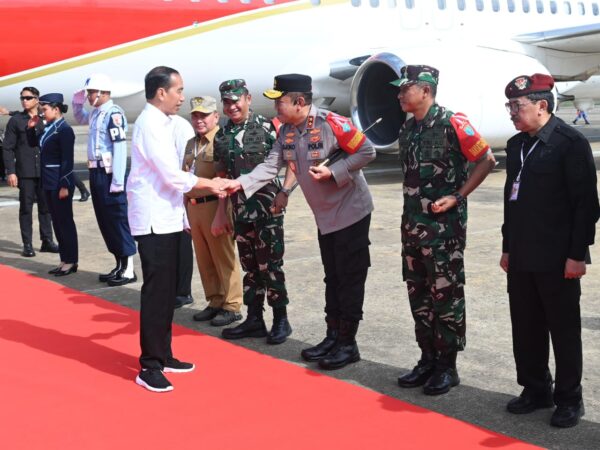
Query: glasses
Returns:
{"type": "Point", "coordinates": [514, 107]}
{"type": "Point", "coordinates": [27, 97]}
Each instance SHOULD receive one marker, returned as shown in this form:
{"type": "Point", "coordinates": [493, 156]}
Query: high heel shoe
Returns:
{"type": "Point", "coordinates": [56, 269]}
{"type": "Point", "coordinates": [70, 270]}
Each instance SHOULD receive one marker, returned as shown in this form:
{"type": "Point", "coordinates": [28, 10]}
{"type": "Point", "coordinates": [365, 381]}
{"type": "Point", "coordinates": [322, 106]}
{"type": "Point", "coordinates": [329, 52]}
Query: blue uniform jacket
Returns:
{"type": "Point", "coordinates": [57, 144]}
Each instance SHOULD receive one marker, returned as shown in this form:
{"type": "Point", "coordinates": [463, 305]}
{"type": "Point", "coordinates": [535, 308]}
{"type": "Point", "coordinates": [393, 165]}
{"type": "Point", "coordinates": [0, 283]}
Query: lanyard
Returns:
{"type": "Point", "coordinates": [523, 159]}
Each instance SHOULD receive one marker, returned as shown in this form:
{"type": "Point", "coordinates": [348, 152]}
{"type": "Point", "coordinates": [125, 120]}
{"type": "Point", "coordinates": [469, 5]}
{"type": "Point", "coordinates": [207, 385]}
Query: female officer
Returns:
{"type": "Point", "coordinates": [57, 148]}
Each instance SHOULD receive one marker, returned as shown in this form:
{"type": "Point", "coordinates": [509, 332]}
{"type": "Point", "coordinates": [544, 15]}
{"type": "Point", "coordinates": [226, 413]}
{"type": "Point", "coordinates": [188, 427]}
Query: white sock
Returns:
{"type": "Point", "coordinates": [129, 271]}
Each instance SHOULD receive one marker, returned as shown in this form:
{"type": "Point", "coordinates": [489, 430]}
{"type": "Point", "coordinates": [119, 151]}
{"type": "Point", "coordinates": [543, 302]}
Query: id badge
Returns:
{"type": "Point", "coordinates": [514, 193]}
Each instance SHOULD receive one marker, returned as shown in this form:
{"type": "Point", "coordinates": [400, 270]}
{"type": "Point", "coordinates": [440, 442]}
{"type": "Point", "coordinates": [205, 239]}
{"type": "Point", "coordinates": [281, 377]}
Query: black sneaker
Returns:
{"type": "Point", "coordinates": [153, 380]}
{"type": "Point", "coordinates": [225, 317]}
{"type": "Point", "coordinates": [173, 365]}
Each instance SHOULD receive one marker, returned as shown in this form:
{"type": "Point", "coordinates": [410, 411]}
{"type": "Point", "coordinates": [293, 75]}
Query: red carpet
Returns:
{"type": "Point", "coordinates": [67, 382]}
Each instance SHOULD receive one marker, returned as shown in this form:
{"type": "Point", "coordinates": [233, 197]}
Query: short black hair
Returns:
{"type": "Point", "coordinates": [294, 96]}
{"type": "Point", "coordinates": [432, 87]}
{"type": "Point", "coordinates": [548, 96]}
{"type": "Point", "coordinates": [61, 106]}
{"type": "Point", "coordinates": [31, 89]}
{"type": "Point", "coordinates": [159, 77]}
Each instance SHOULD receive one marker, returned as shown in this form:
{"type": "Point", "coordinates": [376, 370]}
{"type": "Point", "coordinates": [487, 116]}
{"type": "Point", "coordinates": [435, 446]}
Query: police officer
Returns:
{"type": "Point", "coordinates": [107, 162]}
{"type": "Point", "coordinates": [57, 143]}
{"type": "Point", "coordinates": [436, 146]}
{"type": "Point", "coordinates": [339, 198]}
{"type": "Point", "coordinates": [215, 255]}
{"type": "Point", "coordinates": [241, 145]}
{"type": "Point", "coordinates": [550, 211]}
{"type": "Point", "coordinates": [22, 160]}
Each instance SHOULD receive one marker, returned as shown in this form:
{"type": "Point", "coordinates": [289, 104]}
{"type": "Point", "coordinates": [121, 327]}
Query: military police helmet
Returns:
{"type": "Point", "coordinates": [98, 82]}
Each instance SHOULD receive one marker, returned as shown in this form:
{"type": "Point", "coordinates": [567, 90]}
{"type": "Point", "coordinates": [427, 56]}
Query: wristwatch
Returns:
{"type": "Point", "coordinates": [286, 191]}
{"type": "Point", "coordinates": [459, 198]}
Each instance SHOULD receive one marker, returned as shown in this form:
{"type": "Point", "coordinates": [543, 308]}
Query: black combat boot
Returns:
{"type": "Point", "coordinates": [281, 328]}
{"type": "Point", "coordinates": [345, 350]}
{"type": "Point", "coordinates": [421, 372]}
{"type": "Point", "coordinates": [444, 375]}
{"type": "Point", "coordinates": [321, 349]}
{"type": "Point", "coordinates": [253, 326]}
{"type": "Point", "coordinates": [104, 277]}
{"type": "Point", "coordinates": [122, 276]}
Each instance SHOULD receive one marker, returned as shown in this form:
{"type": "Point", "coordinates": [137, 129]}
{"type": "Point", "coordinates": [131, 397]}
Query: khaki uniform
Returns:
{"type": "Point", "coordinates": [217, 263]}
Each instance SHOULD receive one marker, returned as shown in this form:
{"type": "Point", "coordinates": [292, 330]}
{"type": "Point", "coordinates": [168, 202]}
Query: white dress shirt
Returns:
{"type": "Point", "coordinates": [156, 182]}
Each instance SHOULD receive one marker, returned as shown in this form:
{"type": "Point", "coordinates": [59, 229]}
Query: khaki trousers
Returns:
{"type": "Point", "coordinates": [219, 268]}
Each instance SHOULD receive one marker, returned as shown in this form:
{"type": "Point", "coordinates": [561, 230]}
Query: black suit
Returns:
{"type": "Point", "coordinates": [21, 156]}
{"type": "Point", "coordinates": [553, 218]}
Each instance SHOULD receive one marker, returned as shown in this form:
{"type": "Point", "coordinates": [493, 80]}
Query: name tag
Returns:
{"type": "Point", "coordinates": [514, 192]}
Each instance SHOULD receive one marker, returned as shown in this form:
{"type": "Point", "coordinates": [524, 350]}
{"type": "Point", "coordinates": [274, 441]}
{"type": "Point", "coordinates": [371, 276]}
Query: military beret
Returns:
{"type": "Point", "coordinates": [52, 98]}
{"type": "Point", "coordinates": [414, 74]}
{"type": "Point", "coordinates": [204, 105]}
{"type": "Point", "coordinates": [233, 89]}
{"type": "Point", "coordinates": [525, 85]}
{"type": "Point", "coordinates": [291, 82]}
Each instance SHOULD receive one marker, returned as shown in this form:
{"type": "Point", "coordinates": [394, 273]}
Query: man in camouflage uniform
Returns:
{"type": "Point", "coordinates": [240, 146]}
{"type": "Point", "coordinates": [436, 183]}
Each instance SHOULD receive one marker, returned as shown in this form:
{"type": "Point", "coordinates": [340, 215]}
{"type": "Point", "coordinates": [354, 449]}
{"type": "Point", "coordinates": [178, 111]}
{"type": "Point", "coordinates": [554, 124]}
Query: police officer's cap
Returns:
{"type": "Point", "coordinates": [525, 85]}
{"type": "Point", "coordinates": [291, 82]}
{"type": "Point", "coordinates": [233, 89]}
{"type": "Point", "coordinates": [51, 98]}
{"type": "Point", "coordinates": [413, 74]}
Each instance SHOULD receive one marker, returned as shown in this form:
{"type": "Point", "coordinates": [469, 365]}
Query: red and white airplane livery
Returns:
{"type": "Point", "coordinates": [351, 48]}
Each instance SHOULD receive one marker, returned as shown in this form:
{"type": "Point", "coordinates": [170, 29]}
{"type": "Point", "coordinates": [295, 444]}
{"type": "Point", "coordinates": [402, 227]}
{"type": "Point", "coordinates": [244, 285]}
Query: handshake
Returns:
{"type": "Point", "coordinates": [223, 186]}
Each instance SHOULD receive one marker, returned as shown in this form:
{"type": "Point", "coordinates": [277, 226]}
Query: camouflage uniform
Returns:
{"type": "Point", "coordinates": [433, 244]}
{"type": "Point", "coordinates": [258, 233]}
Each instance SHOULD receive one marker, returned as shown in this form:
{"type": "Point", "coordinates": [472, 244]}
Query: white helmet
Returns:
{"type": "Point", "coordinates": [99, 82]}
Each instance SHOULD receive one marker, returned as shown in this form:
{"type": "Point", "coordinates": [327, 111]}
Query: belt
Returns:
{"type": "Point", "coordinates": [95, 163]}
{"type": "Point", "coordinates": [208, 198]}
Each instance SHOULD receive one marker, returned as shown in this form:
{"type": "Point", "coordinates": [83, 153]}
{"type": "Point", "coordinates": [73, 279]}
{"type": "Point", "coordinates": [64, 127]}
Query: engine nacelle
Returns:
{"type": "Point", "coordinates": [472, 81]}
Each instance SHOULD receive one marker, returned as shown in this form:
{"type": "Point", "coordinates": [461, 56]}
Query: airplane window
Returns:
{"type": "Point", "coordinates": [355, 3]}
{"type": "Point", "coordinates": [246, 2]}
{"type": "Point", "coordinates": [581, 8]}
{"type": "Point", "coordinates": [442, 4]}
{"type": "Point", "coordinates": [511, 5]}
{"type": "Point", "coordinates": [410, 4]}
{"type": "Point", "coordinates": [567, 6]}
{"type": "Point", "coordinates": [314, 2]}
{"type": "Point", "coordinates": [479, 5]}
{"type": "Point", "coordinates": [525, 6]}
{"type": "Point", "coordinates": [391, 3]}
{"type": "Point", "coordinates": [374, 3]}
{"type": "Point", "coordinates": [496, 5]}
{"type": "Point", "coordinates": [460, 4]}
{"type": "Point", "coordinates": [540, 6]}
{"type": "Point", "coordinates": [552, 6]}
{"type": "Point", "coordinates": [595, 9]}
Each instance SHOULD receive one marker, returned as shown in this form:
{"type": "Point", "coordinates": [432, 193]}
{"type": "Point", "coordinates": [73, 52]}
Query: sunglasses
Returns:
{"type": "Point", "coordinates": [27, 97]}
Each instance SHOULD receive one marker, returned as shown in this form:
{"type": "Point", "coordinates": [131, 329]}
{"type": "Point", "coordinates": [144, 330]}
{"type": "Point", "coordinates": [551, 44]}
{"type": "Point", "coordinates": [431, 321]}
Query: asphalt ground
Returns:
{"type": "Point", "coordinates": [385, 337]}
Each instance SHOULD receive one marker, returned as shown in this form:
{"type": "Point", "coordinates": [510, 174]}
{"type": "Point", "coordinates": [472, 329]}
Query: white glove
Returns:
{"type": "Point", "coordinates": [79, 97]}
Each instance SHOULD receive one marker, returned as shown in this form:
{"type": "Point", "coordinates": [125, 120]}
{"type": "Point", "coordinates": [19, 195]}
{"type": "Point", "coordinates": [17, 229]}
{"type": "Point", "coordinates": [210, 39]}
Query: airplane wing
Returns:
{"type": "Point", "coordinates": [580, 39]}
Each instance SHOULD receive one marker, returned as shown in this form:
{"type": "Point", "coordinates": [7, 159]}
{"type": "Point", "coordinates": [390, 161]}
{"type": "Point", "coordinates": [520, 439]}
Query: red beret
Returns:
{"type": "Point", "coordinates": [525, 85]}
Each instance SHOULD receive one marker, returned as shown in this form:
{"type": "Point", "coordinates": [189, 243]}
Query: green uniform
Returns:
{"type": "Point", "coordinates": [259, 234]}
{"type": "Point", "coordinates": [433, 244]}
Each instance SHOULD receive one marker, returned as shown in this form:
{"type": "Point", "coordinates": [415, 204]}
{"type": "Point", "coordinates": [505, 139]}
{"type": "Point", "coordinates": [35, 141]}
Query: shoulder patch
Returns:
{"type": "Point", "coordinates": [347, 135]}
{"type": "Point", "coordinates": [116, 130]}
{"type": "Point", "coordinates": [472, 145]}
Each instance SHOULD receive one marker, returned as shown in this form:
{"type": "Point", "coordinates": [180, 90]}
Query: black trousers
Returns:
{"type": "Point", "coordinates": [158, 254]}
{"type": "Point", "coordinates": [346, 261]}
{"type": "Point", "coordinates": [544, 305]}
{"type": "Point", "coordinates": [64, 225]}
{"type": "Point", "coordinates": [30, 191]}
{"type": "Point", "coordinates": [185, 265]}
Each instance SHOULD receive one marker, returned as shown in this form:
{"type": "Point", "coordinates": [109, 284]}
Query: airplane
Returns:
{"type": "Point", "coordinates": [351, 48]}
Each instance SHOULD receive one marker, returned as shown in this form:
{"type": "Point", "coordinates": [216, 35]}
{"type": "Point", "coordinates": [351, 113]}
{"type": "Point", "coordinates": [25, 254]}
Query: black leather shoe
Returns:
{"type": "Point", "coordinates": [182, 300]}
{"type": "Point", "coordinates": [567, 416]}
{"type": "Point", "coordinates": [324, 347]}
{"type": "Point", "coordinates": [69, 271]}
{"type": "Point", "coordinates": [253, 326]}
{"type": "Point", "coordinates": [120, 279]}
{"type": "Point", "coordinates": [280, 330]}
{"type": "Point", "coordinates": [441, 381]}
{"type": "Point", "coordinates": [49, 246]}
{"type": "Point", "coordinates": [225, 317]}
{"type": "Point", "coordinates": [207, 313]}
{"type": "Point", "coordinates": [55, 270]}
{"type": "Point", "coordinates": [420, 373]}
{"type": "Point", "coordinates": [85, 195]}
{"type": "Point", "coordinates": [104, 277]}
{"type": "Point", "coordinates": [528, 402]}
{"type": "Point", "coordinates": [27, 251]}
{"type": "Point", "coordinates": [340, 356]}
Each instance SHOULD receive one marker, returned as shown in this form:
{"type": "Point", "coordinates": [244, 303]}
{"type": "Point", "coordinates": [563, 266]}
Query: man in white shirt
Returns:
{"type": "Point", "coordinates": [155, 188]}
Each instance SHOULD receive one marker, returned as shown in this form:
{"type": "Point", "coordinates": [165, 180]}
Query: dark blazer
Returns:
{"type": "Point", "coordinates": [557, 207]}
{"type": "Point", "coordinates": [21, 153]}
{"type": "Point", "coordinates": [57, 144]}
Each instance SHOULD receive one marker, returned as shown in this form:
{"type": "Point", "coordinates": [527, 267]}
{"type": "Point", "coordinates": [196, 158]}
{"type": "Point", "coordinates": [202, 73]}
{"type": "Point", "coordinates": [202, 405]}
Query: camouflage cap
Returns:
{"type": "Point", "coordinates": [414, 74]}
{"type": "Point", "coordinates": [525, 85]}
{"type": "Point", "coordinates": [233, 89]}
{"type": "Point", "coordinates": [204, 105]}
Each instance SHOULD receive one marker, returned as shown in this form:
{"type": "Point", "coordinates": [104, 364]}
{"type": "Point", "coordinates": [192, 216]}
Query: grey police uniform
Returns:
{"type": "Point", "coordinates": [342, 206]}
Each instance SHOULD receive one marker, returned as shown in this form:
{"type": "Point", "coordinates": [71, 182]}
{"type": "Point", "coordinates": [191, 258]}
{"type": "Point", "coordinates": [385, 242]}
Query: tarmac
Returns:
{"type": "Point", "coordinates": [386, 338]}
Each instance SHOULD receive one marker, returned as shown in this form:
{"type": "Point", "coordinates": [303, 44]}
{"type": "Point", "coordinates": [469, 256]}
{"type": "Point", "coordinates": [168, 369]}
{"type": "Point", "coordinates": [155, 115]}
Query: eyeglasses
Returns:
{"type": "Point", "coordinates": [27, 97]}
{"type": "Point", "coordinates": [514, 107]}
